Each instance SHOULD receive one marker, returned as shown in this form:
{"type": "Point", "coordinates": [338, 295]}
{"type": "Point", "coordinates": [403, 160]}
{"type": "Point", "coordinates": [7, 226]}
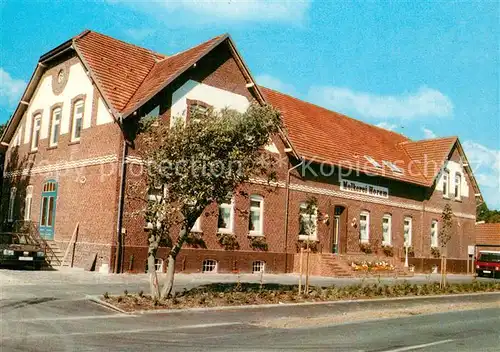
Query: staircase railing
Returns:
{"type": "Point", "coordinates": [31, 229]}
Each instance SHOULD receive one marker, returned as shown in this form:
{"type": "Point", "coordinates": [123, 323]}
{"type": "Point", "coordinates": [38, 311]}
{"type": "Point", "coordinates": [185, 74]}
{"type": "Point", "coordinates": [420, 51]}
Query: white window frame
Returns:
{"type": "Point", "coordinates": [367, 239]}
{"type": "Point", "coordinates": [205, 264]}
{"type": "Point", "coordinates": [305, 218]}
{"type": "Point", "coordinates": [159, 265]}
{"type": "Point", "coordinates": [408, 241]}
{"type": "Point", "coordinates": [386, 242]}
{"type": "Point", "coordinates": [446, 184]}
{"type": "Point", "coordinates": [458, 186]}
{"type": "Point", "coordinates": [12, 202]}
{"type": "Point", "coordinates": [74, 118]}
{"type": "Point", "coordinates": [230, 227]}
{"type": "Point", "coordinates": [27, 203]}
{"type": "Point", "coordinates": [36, 131]}
{"type": "Point", "coordinates": [434, 233]}
{"type": "Point", "coordinates": [154, 195]}
{"type": "Point", "coordinates": [258, 266]}
{"type": "Point", "coordinates": [17, 139]}
{"type": "Point", "coordinates": [260, 209]}
{"type": "Point", "coordinates": [197, 225]}
{"type": "Point", "coordinates": [57, 112]}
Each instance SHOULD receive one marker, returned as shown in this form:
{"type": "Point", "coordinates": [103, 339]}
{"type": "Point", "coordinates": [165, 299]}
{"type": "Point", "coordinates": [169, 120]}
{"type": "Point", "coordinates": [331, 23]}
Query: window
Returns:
{"type": "Point", "coordinates": [446, 180]}
{"type": "Point", "coordinates": [209, 266]}
{"type": "Point", "coordinates": [458, 185]}
{"type": "Point", "coordinates": [12, 201]}
{"type": "Point", "coordinates": [386, 229]}
{"type": "Point", "coordinates": [226, 214]}
{"type": "Point", "coordinates": [196, 109]}
{"type": "Point", "coordinates": [308, 229]}
{"type": "Point", "coordinates": [154, 196]}
{"type": "Point", "coordinates": [35, 133]}
{"type": "Point", "coordinates": [27, 203]}
{"type": "Point", "coordinates": [373, 161]}
{"type": "Point", "coordinates": [77, 122]}
{"type": "Point", "coordinates": [159, 265]}
{"type": "Point", "coordinates": [434, 233]}
{"type": "Point", "coordinates": [17, 140]}
{"type": "Point", "coordinates": [255, 222]}
{"type": "Point", "coordinates": [392, 166]}
{"type": "Point", "coordinates": [407, 228]}
{"type": "Point", "coordinates": [55, 127]}
{"type": "Point", "coordinates": [364, 226]}
{"type": "Point", "coordinates": [197, 225]}
{"type": "Point", "coordinates": [258, 266]}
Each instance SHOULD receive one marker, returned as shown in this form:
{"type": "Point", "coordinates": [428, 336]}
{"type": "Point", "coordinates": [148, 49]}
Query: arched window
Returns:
{"type": "Point", "coordinates": [226, 217]}
{"type": "Point", "coordinates": [12, 201]}
{"type": "Point", "coordinates": [77, 121]}
{"type": "Point", "coordinates": [27, 203]}
{"type": "Point", "coordinates": [55, 127]}
{"type": "Point", "coordinates": [407, 228]}
{"type": "Point", "coordinates": [434, 233]}
{"type": "Point", "coordinates": [209, 266]}
{"type": "Point", "coordinates": [258, 266]}
{"type": "Point", "coordinates": [446, 183]}
{"type": "Point", "coordinates": [256, 217]}
{"type": "Point", "coordinates": [159, 265]}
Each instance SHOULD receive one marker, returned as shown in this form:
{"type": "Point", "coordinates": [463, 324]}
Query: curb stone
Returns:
{"type": "Point", "coordinates": [97, 300]}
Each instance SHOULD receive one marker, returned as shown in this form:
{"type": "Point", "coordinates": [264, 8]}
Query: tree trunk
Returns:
{"type": "Point", "coordinates": [153, 277]}
{"type": "Point", "coordinates": [169, 284]}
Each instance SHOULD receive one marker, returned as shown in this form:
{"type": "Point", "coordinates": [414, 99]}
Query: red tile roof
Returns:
{"type": "Point", "coordinates": [327, 136]}
{"type": "Point", "coordinates": [118, 67]}
{"type": "Point", "coordinates": [129, 75]}
{"type": "Point", "coordinates": [165, 70]}
{"type": "Point", "coordinates": [488, 234]}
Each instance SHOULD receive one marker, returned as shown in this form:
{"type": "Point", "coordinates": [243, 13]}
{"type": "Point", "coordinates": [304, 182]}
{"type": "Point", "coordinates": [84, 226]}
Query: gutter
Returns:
{"type": "Point", "coordinates": [119, 220]}
{"type": "Point", "coordinates": [287, 201]}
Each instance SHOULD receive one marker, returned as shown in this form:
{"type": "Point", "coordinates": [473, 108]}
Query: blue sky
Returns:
{"type": "Point", "coordinates": [421, 68]}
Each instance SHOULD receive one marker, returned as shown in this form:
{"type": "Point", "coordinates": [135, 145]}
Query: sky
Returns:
{"type": "Point", "coordinates": [423, 69]}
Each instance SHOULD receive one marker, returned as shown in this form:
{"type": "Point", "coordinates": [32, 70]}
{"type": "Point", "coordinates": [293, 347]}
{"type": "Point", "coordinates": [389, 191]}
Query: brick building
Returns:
{"type": "Point", "coordinates": [72, 158]}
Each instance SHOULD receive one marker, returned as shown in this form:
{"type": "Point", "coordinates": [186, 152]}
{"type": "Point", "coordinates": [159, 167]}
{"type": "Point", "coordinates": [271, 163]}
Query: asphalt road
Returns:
{"type": "Point", "coordinates": [78, 325]}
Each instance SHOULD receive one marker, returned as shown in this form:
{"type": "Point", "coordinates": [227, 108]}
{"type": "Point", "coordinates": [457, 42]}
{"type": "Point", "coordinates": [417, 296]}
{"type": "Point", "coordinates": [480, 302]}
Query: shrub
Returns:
{"type": "Point", "coordinates": [106, 295]}
{"type": "Point", "coordinates": [258, 243]}
{"type": "Point", "coordinates": [388, 250]}
{"type": "Point", "coordinates": [366, 248]}
{"type": "Point", "coordinates": [313, 246]}
{"type": "Point", "coordinates": [228, 241]}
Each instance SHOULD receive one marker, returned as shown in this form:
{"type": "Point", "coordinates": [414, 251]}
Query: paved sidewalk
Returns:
{"type": "Point", "coordinates": [75, 283]}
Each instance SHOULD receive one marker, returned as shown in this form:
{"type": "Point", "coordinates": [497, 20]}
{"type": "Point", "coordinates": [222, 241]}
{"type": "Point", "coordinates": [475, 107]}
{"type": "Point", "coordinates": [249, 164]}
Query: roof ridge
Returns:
{"type": "Point", "coordinates": [87, 31]}
{"type": "Point", "coordinates": [339, 113]}
{"type": "Point", "coordinates": [431, 139]}
{"type": "Point", "coordinates": [190, 48]}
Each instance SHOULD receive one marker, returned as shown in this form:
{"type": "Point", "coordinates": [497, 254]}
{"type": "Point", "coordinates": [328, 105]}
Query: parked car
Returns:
{"type": "Point", "coordinates": [19, 250]}
{"type": "Point", "coordinates": [488, 264]}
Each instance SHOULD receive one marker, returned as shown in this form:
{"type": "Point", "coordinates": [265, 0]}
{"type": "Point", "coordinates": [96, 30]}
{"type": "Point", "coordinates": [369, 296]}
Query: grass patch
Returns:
{"type": "Point", "coordinates": [236, 294]}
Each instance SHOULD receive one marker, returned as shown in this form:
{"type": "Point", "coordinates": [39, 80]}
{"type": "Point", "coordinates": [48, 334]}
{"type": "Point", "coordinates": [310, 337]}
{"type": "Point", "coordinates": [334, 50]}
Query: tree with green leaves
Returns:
{"type": "Point", "coordinates": [444, 236]}
{"type": "Point", "coordinates": [483, 213]}
{"type": "Point", "coordinates": [192, 165]}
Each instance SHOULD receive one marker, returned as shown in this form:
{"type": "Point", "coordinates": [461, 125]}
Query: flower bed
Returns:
{"type": "Point", "coordinates": [216, 295]}
{"type": "Point", "coordinates": [372, 266]}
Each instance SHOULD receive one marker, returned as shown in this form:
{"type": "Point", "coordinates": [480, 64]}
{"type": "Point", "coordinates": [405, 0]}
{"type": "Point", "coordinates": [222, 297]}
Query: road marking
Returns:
{"type": "Point", "coordinates": [117, 332]}
{"type": "Point", "coordinates": [416, 347]}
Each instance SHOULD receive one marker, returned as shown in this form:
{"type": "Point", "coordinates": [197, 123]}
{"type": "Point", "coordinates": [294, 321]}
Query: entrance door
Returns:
{"type": "Point", "coordinates": [337, 229]}
{"type": "Point", "coordinates": [48, 210]}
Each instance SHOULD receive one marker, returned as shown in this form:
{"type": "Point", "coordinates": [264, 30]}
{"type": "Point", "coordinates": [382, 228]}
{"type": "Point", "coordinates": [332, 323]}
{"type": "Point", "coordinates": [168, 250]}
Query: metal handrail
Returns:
{"type": "Point", "coordinates": [29, 228]}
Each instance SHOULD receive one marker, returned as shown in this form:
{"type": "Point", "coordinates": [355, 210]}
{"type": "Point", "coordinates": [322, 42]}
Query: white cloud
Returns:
{"type": "Point", "coordinates": [485, 163]}
{"type": "Point", "coordinates": [210, 11]}
{"type": "Point", "coordinates": [275, 83]}
{"type": "Point", "coordinates": [387, 126]}
{"type": "Point", "coordinates": [10, 88]}
{"type": "Point", "coordinates": [425, 102]}
{"type": "Point", "coordinates": [139, 33]}
{"type": "Point", "coordinates": [428, 134]}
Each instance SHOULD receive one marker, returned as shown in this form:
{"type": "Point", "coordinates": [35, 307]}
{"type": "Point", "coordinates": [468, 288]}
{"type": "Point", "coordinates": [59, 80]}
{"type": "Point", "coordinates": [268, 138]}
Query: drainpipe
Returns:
{"type": "Point", "coordinates": [286, 209]}
{"type": "Point", "coordinates": [119, 220]}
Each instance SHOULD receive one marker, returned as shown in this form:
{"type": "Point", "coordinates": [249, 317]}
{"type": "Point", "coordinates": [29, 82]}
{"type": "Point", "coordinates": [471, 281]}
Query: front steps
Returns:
{"type": "Point", "coordinates": [53, 254]}
{"type": "Point", "coordinates": [332, 266]}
